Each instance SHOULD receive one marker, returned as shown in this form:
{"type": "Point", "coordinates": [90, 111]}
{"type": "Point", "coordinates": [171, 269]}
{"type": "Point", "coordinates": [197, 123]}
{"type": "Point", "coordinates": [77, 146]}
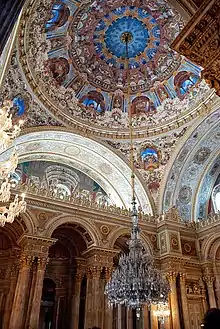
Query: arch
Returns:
{"type": "Point", "coordinates": [205, 186]}
{"type": "Point", "coordinates": [216, 198]}
{"type": "Point", "coordinates": [190, 161]}
{"type": "Point", "coordinates": [29, 222]}
{"type": "Point", "coordinates": [14, 231]}
{"type": "Point", "coordinates": [127, 231]}
{"type": "Point", "coordinates": [87, 155]}
{"type": "Point", "coordinates": [210, 245]}
{"type": "Point", "coordinates": [70, 238]}
{"type": "Point", "coordinates": [53, 224]}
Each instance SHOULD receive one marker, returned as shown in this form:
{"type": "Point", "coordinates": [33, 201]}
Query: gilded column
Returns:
{"type": "Point", "coordinates": [184, 300]}
{"type": "Point", "coordinates": [130, 319]}
{"type": "Point", "coordinates": [88, 312]}
{"type": "Point", "coordinates": [18, 308]}
{"type": "Point", "coordinates": [37, 292]}
{"type": "Point", "coordinates": [108, 316]}
{"type": "Point", "coordinates": [10, 296]}
{"type": "Point", "coordinates": [217, 285]}
{"type": "Point", "coordinates": [96, 292]}
{"type": "Point", "coordinates": [93, 297]}
{"type": "Point", "coordinates": [209, 283]}
{"type": "Point", "coordinates": [145, 317]}
{"type": "Point", "coordinates": [76, 299]}
{"type": "Point", "coordinates": [119, 317]}
{"type": "Point", "coordinates": [174, 301]}
{"type": "Point", "coordinates": [154, 319]}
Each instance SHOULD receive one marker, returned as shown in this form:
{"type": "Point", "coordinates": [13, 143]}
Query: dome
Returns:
{"type": "Point", "coordinates": [79, 68]}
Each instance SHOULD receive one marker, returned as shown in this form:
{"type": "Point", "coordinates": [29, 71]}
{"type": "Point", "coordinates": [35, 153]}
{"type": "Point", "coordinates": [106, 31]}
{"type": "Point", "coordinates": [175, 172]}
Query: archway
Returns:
{"type": "Point", "coordinates": [87, 155]}
{"type": "Point", "coordinates": [188, 165]}
{"type": "Point", "coordinates": [65, 257]}
{"type": "Point", "coordinates": [9, 264]}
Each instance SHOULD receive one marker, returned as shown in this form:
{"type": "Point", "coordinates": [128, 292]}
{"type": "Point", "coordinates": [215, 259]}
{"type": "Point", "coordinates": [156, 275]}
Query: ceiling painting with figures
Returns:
{"type": "Point", "coordinates": [61, 180]}
{"type": "Point", "coordinates": [81, 63]}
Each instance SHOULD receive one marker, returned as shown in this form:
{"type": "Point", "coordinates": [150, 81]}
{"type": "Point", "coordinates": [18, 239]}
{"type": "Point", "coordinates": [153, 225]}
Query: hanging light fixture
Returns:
{"type": "Point", "coordinates": [8, 133]}
{"type": "Point", "coordinates": [162, 313]}
{"type": "Point", "coordinates": [135, 282]}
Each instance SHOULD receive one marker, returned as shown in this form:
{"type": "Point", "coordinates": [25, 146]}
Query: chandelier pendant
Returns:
{"type": "Point", "coordinates": [135, 282]}
{"type": "Point", "coordinates": [8, 133]}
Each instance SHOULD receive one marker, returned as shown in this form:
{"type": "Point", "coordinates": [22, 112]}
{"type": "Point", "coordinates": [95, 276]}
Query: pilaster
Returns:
{"type": "Point", "coordinates": [209, 280]}
{"type": "Point", "coordinates": [184, 300]}
{"type": "Point", "coordinates": [34, 251]}
{"type": "Point", "coordinates": [80, 272]}
{"type": "Point", "coordinates": [174, 300]}
{"type": "Point", "coordinates": [21, 292]}
{"type": "Point", "coordinates": [99, 264]}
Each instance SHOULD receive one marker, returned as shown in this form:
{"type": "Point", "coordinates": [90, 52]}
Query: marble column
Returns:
{"type": "Point", "coordinates": [145, 317]}
{"type": "Point", "coordinates": [209, 284]}
{"type": "Point", "coordinates": [184, 301]}
{"type": "Point", "coordinates": [174, 301]}
{"type": "Point", "coordinates": [130, 319]}
{"type": "Point", "coordinates": [37, 292]}
{"type": "Point", "coordinates": [10, 296]}
{"type": "Point", "coordinates": [119, 317]}
{"type": "Point", "coordinates": [21, 293]}
{"type": "Point", "coordinates": [154, 319]}
{"type": "Point", "coordinates": [76, 299]}
{"type": "Point", "coordinates": [92, 318]}
{"type": "Point", "coordinates": [217, 288]}
{"type": "Point", "coordinates": [108, 314]}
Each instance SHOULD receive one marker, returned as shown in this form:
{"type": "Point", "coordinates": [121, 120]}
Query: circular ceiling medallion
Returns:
{"type": "Point", "coordinates": [124, 30]}
{"type": "Point", "coordinates": [98, 46]}
{"type": "Point", "coordinates": [74, 53]}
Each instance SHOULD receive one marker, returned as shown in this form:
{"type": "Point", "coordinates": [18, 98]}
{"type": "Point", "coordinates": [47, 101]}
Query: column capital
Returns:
{"type": "Point", "coordinates": [26, 260]}
{"type": "Point", "coordinates": [14, 270]}
{"type": "Point", "coordinates": [94, 272]}
{"type": "Point", "coordinates": [100, 256]}
{"type": "Point", "coordinates": [42, 263]}
{"type": "Point", "coordinates": [171, 277]}
{"type": "Point", "coordinates": [209, 280]}
{"type": "Point", "coordinates": [108, 273]}
{"type": "Point", "coordinates": [183, 277]}
{"type": "Point", "coordinates": [34, 245]}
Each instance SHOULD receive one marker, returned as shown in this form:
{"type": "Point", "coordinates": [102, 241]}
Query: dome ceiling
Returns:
{"type": "Point", "coordinates": [73, 55]}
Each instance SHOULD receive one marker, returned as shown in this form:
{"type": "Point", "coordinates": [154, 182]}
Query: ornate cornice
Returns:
{"type": "Point", "coordinates": [200, 39]}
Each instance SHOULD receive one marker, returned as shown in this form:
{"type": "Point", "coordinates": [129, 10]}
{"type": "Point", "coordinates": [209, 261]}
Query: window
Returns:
{"type": "Point", "coordinates": [216, 198]}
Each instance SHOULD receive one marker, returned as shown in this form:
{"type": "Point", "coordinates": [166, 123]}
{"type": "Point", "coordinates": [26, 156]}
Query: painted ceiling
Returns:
{"type": "Point", "coordinates": [74, 57]}
{"type": "Point", "coordinates": [46, 174]}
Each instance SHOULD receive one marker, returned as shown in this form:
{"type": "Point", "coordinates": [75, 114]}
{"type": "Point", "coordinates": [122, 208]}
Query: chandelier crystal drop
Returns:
{"type": "Point", "coordinates": [136, 282]}
{"type": "Point", "coordinates": [7, 215]}
{"type": "Point", "coordinates": [8, 133]}
{"type": "Point", "coordinates": [162, 312]}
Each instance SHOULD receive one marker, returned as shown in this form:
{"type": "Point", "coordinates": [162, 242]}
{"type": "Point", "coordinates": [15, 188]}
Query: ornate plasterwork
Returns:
{"type": "Point", "coordinates": [15, 86]}
{"type": "Point", "coordinates": [38, 56]}
{"type": "Point", "coordinates": [184, 176]}
{"type": "Point", "coordinates": [207, 181]}
{"type": "Point", "coordinates": [88, 156]}
{"type": "Point", "coordinates": [165, 144]}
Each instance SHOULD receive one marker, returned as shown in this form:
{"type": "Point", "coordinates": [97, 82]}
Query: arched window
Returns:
{"type": "Point", "coordinates": [216, 198]}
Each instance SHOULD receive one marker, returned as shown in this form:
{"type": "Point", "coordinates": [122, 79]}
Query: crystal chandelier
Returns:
{"type": "Point", "coordinates": [162, 312]}
{"type": "Point", "coordinates": [15, 208]}
{"type": "Point", "coordinates": [8, 133]}
{"type": "Point", "coordinates": [135, 282]}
